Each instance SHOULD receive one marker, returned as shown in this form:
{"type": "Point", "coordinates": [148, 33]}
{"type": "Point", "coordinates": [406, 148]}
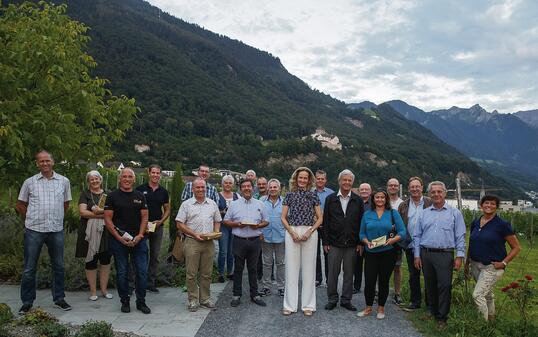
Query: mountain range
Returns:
{"type": "Point", "coordinates": [506, 144]}
{"type": "Point", "coordinates": [206, 98]}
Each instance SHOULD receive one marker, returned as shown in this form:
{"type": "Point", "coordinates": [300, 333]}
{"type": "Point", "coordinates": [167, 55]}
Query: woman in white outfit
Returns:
{"type": "Point", "coordinates": [301, 215]}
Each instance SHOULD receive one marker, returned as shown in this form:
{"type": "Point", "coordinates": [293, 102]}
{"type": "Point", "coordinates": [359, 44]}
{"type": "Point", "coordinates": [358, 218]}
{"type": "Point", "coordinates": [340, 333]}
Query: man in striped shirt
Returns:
{"type": "Point", "coordinates": [210, 190]}
{"type": "Point", "coordinates": [43, 200]}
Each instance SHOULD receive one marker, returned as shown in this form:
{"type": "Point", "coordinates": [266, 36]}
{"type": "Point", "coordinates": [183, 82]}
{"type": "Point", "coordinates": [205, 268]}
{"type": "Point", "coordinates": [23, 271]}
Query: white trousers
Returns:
{"type": "Point", "coordinates": [300, 256]}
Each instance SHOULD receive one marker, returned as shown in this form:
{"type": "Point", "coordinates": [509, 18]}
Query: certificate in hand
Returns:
{"type": "Point", "coordinates": [248, 223]}
{"type": "Point", "coordinates": [380, 241]}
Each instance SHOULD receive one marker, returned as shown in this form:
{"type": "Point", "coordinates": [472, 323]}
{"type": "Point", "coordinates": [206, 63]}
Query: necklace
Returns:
{"type": "Point", "coordinates": [95, 203]}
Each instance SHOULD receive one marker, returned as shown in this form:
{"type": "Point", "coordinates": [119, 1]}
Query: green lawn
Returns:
{"type": "Point", "coordinates": [464, 319]}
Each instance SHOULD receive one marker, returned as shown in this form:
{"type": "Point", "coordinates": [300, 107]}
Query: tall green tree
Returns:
{"type": "Point", "coordinates": [48, 99]}
{"type": "Point", "coordinates": [175, 201]}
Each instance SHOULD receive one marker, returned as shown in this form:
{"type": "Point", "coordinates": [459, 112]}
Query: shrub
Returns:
{"type": "Point", "coordinates": [52, 329]}
{"type": "Point", "coordinates": [37, 316]}
{"type": "Point", "coordinates": [95, 329]}
{"type": "Point", "coordinates": [5, 313]}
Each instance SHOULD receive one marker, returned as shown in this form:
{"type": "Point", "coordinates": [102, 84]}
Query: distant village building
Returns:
{"type": "Point", "coordinates": [519, 206]}
{"type": "Point", "coordinates": [327, 140]}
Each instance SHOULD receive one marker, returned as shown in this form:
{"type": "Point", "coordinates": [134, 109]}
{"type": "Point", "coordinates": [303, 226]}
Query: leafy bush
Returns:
{"type": "Point", "coordinates": [52, 329]}
{"type": "Point", "coordinates": [5, 313]}
{"type": "Point", "coordinates": [95, 329]}
{"type": "Point", "coordinates": [36, 316]}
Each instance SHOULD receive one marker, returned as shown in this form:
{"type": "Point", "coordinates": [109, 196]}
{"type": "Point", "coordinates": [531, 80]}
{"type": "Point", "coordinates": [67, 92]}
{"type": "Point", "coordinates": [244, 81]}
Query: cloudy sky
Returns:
{"type": "Point", "coordinates": [432, 54]}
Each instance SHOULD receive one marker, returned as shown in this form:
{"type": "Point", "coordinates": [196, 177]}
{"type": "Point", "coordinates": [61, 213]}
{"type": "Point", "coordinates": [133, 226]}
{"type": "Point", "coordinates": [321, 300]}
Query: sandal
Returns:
{"type": "Point", "coordinates": [364, 313]}
{"type": "Point", "coordinates": [286, 312]}
{"type": "Point", "coordinates": [308, 312]}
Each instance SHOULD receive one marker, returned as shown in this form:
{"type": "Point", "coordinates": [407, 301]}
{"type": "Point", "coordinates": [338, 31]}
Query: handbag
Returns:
{"type": "Point", "coordinates": [177, 250]}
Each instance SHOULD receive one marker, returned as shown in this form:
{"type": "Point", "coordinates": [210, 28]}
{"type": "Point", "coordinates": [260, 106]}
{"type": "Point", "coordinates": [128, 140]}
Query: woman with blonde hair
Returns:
{"type": "Point", "coordinates": [301, 216]}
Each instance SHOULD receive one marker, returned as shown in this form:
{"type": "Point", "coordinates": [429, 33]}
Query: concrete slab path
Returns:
{"type": "Point", "coordinates": [169, 316]}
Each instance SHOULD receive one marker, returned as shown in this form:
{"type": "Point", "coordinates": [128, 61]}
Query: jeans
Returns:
{"type": "Point", "coordinates": [33, 242]}
{"type": "Point", "coordinates": [139, 256]}
{"type": "Point", "coordinates": [226, 256]}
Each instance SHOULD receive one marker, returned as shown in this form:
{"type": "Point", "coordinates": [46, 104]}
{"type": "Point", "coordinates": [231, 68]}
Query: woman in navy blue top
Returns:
{"type": "Point", "coordinates": [487, 257]}
{"type": "Point", "coordinates": [379, 260]}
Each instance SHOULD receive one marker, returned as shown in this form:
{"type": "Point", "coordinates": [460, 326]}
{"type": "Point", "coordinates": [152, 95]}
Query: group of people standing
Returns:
{"type": "Point", "coordinates": [288, 234]}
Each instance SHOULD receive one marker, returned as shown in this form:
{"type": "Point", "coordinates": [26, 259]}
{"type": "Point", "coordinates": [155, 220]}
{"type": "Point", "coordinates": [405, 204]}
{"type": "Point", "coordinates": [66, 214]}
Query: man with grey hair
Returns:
{"type": "Point", "coordinates": [43, 200]}
{"type": "Point", "coordinates": [439, 233]}
{"type": "Point", "coordinates": [393, 190]}
{"type": "Point", "coordinates": [273, 240]}
{"type": "Point", "coordinates": [341, 224]}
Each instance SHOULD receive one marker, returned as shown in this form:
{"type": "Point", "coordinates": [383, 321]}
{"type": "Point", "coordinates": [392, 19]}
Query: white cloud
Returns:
{"type": "Point", "coordinates": [431, 53]}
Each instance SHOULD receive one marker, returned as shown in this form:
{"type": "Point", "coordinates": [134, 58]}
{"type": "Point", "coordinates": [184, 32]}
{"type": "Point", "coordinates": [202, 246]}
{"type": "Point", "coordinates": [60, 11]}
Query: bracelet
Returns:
{"type": "Point", "coordinates": [505, 264]}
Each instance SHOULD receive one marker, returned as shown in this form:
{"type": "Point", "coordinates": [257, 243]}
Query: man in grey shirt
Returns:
{"type": "Point", "coordinates": [43, 200]}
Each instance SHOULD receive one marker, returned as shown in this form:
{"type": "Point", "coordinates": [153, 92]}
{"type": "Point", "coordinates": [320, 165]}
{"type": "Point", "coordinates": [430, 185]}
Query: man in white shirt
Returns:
{"type": "Point", "coordinates": [198, 215]}
{"type": "Point", "coordinates": [393, 190]}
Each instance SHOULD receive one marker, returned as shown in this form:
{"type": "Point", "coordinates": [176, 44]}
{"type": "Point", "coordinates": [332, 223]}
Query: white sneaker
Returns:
{"type": "Point", "coordinates": [380, 315]}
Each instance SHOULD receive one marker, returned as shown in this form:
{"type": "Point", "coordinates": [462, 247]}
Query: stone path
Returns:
{"type": "Point", "coordinates": [170, 317]}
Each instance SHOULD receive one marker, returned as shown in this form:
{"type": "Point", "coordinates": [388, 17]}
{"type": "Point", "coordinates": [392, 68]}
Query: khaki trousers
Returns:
{"type": "Point", "coordinates": [198, 261]}
{"type": "Point", "coordinates": [485, 277]}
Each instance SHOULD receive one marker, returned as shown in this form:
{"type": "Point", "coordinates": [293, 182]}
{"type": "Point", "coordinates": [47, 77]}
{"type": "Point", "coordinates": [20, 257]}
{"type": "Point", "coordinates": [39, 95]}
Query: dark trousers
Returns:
{"type": "Point", "coordinates": [155, 242]}
{"type": "Point", "coordinates": [33, 242]}
{"type": "Point", "coordinates": [249, 251]}
{"type": "Point", "coordinates": [377, 269]}
{"type": "Point", "coordinates": [319, 277]}
{"type": "Point", "coordinates": [414, 279]}
{"type": "Point", "coordinates": [357, 281]}
{"type": "Point", "coordinates": [259, 267]}
{"type": "Point", "coordinates": [340, 258]}
{"type": "Point", "coordinates": [437, 267]}
{"type": "Point", "coordinates": [139, 257]}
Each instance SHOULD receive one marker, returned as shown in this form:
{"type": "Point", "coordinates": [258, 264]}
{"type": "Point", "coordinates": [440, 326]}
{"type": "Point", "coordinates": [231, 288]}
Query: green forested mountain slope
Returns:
{"type": "Point", "coordinates": [207, 98]}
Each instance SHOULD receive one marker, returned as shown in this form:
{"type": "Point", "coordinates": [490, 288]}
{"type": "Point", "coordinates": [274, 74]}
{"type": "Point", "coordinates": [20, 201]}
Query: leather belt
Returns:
{"type": "Point", "coordinates": [252, 238]}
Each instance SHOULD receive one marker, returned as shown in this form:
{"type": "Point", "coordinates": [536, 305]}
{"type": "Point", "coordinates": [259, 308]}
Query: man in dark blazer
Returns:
{"type": "Point", "coordinates": [341, 223]}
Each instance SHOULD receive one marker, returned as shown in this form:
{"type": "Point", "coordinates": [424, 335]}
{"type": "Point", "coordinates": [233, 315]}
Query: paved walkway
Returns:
{"type": "Point", "coordinates": [170, 317]}
{"type": "Point", "coordinates": [250, 320]}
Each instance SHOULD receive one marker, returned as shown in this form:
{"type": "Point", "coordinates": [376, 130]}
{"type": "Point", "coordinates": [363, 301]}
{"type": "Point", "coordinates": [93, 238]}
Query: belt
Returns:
{"type": "Point", "coordinates": [252, 238]}
{"type": "Point", "coordinates": [437, 250]}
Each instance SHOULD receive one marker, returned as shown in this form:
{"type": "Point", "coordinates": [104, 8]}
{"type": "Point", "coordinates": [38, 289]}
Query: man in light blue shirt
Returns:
{"type": "Point", "coordinates": [246, 216]}
{"type": "Point", "coordinates": [439, 232]}
{"type": "Point", "coordinates": [323, 192]}
{"type": "Point", "coordinates": [273, 240]}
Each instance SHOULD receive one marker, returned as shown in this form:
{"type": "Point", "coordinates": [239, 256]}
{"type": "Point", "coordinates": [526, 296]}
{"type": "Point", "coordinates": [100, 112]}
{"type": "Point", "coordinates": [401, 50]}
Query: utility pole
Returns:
{"type": "Point", "coordinates": [458, 193]}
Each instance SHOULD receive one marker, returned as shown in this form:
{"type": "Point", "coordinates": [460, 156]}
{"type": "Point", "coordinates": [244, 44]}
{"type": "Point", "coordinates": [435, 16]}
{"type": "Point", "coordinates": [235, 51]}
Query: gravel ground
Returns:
{"type": "Point", "coordinates": [250, 320]}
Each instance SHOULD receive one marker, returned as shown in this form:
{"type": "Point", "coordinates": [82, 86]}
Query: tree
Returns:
{"type": "Point", "coordinates": [48, 99]}
{"type": "Point", "coordinates": [175, 202]}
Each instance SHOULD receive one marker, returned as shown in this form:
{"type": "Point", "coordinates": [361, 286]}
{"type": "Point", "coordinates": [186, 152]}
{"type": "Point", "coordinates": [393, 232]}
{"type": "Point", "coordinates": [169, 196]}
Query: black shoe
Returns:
{"type": "Point", "coordinates": [258, 300]}
{"type": "Point", "coordinates": [235, 301]}
{"type": "Point", "coordinates": [24, 309]}
{"type": "Point", "coordinates": [221, 279]}
{"type": "Point", "coordinates": [141, 306]}
{"type": "Point", "coordinates": [330, 306]}
{"type": "Point", "coordinates": [280, 292]}
{"type": "Point", "coordinates": [152, 289]}
{"type": "Point", "coordinates": [265, 292]}
{"type": "Point", "coordinates": [398, 299]}
{"type": "Point", "coordinates": [62, 304]}
{"type": "Point", "coordinates": [348, 306]}
{"type": "Point", "coordinates": [125, 307]}
{"type": "Point", "coordinates": [318, 283]}
{"type": "Point", "coordinates": [411, 307]}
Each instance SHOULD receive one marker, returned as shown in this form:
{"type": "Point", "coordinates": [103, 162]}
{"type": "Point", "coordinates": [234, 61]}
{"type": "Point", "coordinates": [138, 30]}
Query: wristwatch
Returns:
{"type": "Point", "coordinates": [505, 264]}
